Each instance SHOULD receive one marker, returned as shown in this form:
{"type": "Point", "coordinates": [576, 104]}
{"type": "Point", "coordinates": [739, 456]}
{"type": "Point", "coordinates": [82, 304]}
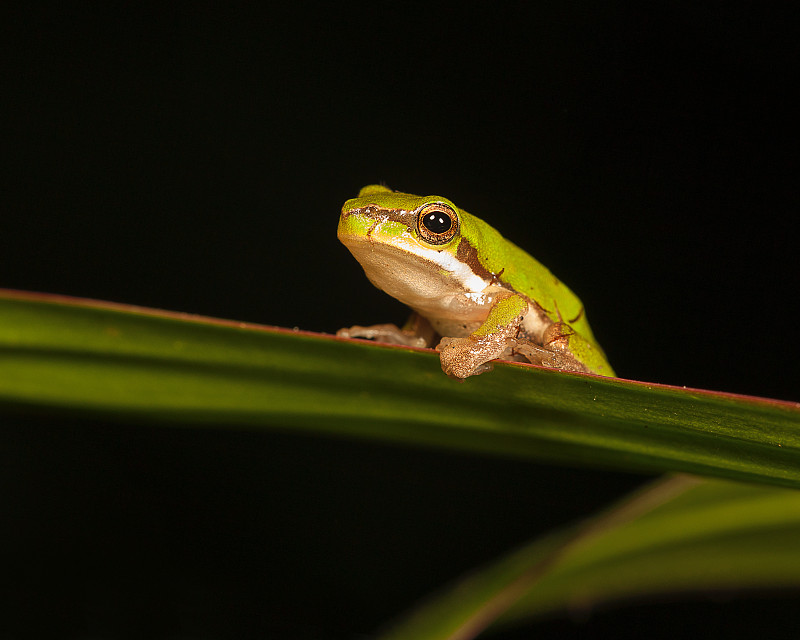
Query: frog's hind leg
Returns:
{"type": "Point", "coordinates": [562, 348]}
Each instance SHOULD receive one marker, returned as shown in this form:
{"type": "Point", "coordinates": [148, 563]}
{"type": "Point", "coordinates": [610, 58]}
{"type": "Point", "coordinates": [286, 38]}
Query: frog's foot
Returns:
{"type": "Point", "coordinates": [389, 333]}
{"type": "Point", "coordinates": [472, 356]}
{"type": "Point", "coordinates": [557, 351]}
{"type": "Point", "coordinates": [495, 338]}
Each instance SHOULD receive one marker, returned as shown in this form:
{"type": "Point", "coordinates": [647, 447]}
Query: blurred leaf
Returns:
{"type": "Point", "coordinates": [680, 534]}
{"type": "Point", "coordinates": [94, 357]}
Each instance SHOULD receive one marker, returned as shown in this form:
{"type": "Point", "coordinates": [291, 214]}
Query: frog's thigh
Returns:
{"type": "Point", "coordinates": [464, 357]}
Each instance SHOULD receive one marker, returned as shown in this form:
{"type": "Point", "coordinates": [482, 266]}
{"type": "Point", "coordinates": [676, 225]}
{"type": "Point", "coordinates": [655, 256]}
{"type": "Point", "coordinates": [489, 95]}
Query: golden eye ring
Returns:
{"type": "Point", "coordinates": [437, 223]}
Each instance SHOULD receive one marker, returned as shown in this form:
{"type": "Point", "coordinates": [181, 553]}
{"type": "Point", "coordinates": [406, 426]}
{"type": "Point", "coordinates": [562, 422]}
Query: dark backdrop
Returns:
{"type": "Point", "coordinates": [195, 158]}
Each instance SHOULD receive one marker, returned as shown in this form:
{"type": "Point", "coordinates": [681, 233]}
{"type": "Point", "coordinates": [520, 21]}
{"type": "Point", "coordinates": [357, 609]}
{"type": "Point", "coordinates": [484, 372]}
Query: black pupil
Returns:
{"type": "Point", "coordinates": [437, 222]}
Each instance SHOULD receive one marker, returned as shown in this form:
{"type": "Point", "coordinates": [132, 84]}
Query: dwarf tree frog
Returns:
{"type": "Point", "coordinates": [481, 294]}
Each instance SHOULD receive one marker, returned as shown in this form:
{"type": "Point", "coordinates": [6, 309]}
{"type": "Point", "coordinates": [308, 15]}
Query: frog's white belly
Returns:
{"type": "Point", "coordinates": [534, 324]}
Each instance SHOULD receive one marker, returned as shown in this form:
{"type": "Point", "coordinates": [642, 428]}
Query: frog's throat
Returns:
{"type": "Point", "coordinates": [399, 255]}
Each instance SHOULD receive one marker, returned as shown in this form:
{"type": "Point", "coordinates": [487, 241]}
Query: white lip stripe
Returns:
{"type": "Point", "coordinates": [447, 261]}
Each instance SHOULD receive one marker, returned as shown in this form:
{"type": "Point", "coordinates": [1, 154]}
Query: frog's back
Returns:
{"type": "Point", "coordinates": [519, 271]}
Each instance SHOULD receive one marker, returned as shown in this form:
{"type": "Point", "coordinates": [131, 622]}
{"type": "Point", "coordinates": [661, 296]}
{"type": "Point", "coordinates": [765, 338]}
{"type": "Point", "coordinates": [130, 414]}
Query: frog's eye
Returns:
{"type": "Point", "coordinates": [437, 223]}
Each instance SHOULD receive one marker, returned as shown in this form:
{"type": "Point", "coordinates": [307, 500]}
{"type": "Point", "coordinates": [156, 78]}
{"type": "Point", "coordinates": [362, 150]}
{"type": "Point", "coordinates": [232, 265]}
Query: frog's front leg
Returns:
{"type": "Point", "coordinates": [416, 332]}
{"type": "Point", "coordinates": [471, 356]}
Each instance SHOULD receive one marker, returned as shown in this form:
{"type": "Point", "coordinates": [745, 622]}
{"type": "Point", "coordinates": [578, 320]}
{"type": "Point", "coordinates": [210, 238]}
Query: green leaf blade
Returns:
{"type": "Point", "coordinates": [87, 356]}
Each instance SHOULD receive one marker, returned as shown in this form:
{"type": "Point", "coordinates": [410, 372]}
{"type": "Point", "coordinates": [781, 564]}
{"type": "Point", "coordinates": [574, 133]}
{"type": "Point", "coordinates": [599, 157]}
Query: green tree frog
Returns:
{"type": "Point", "coordinates": [481, 294]}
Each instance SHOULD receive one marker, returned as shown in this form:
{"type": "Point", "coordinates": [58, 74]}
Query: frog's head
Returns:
{"type": "Point", "coordinates": [413, 247]}
{"type": "Point", "coordinates": [379, 214]}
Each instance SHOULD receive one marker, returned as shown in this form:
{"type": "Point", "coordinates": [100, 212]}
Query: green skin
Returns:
{"type": "Point", "coordinates": [482, 294]}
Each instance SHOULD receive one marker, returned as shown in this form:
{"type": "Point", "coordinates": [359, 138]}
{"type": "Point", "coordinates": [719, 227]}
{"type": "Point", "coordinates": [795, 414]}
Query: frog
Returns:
{"type": "Point", "coordinates": [475, 296]}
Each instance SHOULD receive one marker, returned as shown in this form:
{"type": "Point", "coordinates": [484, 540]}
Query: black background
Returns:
{"type": "Point", "coordinates": [195, 158]}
